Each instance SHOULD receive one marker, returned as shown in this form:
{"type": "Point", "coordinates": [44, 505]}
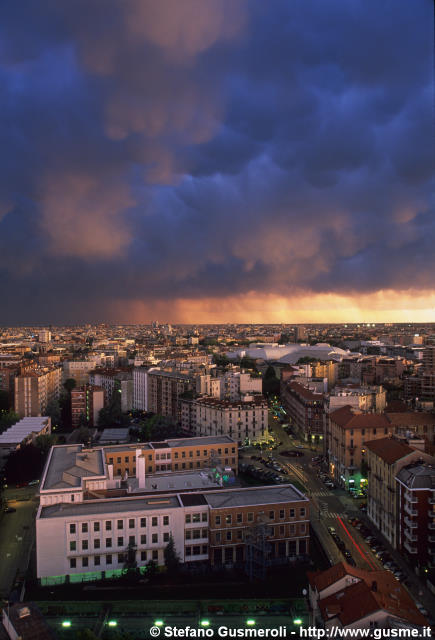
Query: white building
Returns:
{"type": "Point", "coordinates": [242, 420]}
{"type": "Point", "coordinates": [83, 533]}
{"type": "Point", "coordinates": [24, 432]}
{"type": "Point", "coordinates": [140, 388]}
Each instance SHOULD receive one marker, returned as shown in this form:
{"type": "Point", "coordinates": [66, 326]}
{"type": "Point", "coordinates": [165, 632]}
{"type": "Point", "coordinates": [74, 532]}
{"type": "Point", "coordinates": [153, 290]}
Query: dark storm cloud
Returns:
{"type": "Point", "coordinates": [208, 149]}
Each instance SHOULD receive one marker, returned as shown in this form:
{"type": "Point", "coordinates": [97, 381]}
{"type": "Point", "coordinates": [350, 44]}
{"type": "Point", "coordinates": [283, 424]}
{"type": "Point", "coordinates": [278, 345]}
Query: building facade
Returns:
{"type": "Point", "coordinates": [86, 403]}
{"type": "Point", "coordinates": [305, 408]}
{"type": "Point", "coordinates": [35, 389]}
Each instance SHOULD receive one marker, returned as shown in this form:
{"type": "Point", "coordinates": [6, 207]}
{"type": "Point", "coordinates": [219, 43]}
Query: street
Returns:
{"type": "Point", "coordinates": [16, 536]}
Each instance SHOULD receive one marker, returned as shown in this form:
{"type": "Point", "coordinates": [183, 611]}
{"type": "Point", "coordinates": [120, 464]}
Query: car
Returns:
{"type": "Point", "coordinates": [20, 485]}
{"type": "Point", "coordinates": [9, 510]}
{"type": "Point", "coordinates": [331, 530]}
{"type": "Point", "coordinates": [33, 483]}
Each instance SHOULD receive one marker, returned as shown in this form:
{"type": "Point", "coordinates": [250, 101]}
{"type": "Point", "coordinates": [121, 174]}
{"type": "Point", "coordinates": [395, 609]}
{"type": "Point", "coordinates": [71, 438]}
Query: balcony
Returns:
{"type": "Point", "coordinates": [431, 526]}
{"type": "Point", "coordinates": [410, 498]}
{"type": "Point", "coordinates": [411, 512]}
{"type": "Point", "coordinates": [431, 538]}
{"type": "Point", "coordinates": [431, 513]}
{"type": "Point", "coordinates": [410, 536]}
{"type": "Point", "coordinates": [410, 549]}
{"type": "Point", "coordinates": [409, 523]}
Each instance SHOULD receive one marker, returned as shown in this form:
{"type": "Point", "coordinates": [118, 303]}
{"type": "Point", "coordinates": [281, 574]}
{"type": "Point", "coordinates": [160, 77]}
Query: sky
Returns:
{"type": "Point", "coordinates": [210, 161]}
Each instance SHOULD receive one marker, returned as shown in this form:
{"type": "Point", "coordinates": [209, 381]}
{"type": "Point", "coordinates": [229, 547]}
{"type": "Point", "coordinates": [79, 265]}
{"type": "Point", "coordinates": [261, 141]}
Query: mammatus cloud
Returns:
{"type": "Point", "coordinates": [202, 158]}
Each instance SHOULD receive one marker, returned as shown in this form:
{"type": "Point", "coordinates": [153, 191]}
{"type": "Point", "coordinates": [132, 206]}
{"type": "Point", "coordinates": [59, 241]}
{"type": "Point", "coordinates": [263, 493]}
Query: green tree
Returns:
{"type": "Point", "coordinates": [53, 411]}
{"type": "Point", "coordinates": [220, 359]}
{"type": "Point", "coordinates": [69, 385]}
{"type": "Point", "coordinates": [270, 382]}
{"type": "Point", "coordinates": [7, 419]}
{"type": "Point", "coordinates": [130, 566]}
{"type": "Point", "coordinates": [172, 560]}
{"type": "Point", "coordinates": [45, 442]}
{"type": "Point", "coordinates": [248, 363]}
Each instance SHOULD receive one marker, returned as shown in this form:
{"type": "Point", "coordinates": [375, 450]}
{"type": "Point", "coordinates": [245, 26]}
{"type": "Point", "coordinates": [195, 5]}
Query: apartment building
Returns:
{"type": "Point", "coordinates": [118, 380]}
{"type": "Point", "coordinates": [86, 537]}
{"type": "Point", "coordinates": [140, 388]}
{"type": "Point", "coordinates": [78, 370]}
{"type": "Point", "coordinates": [345, 597]}
{"type": "Point", "coordinates": [414, 423]}
{"type": "Point", "coordinates": [35, 389]}
{"type": "Point", "coordinates": [350, 429]}
{"type": "Point", "coordinates": [244, 421]}
{"type": "Point", "coordinates": [175, 454]}
{"type": "Point", "coordinates": [232, 385]}
{"type": "Point", "coordinates": [385, 458]}
{"type": "Point", "coordinates": [416, 489]}
{"type": "Point", "coordinates": [86, 403]}
{"type": "Point", "coordinates": [305, 407]}
{"type": "Point", "coordinates": [164, 391]}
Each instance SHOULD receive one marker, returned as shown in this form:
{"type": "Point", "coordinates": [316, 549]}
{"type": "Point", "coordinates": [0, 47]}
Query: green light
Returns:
{"type": "Point", "coordinates": [112, 623]}
{"type": "Point", "coordinates": [66, 623]}
{"type": "Point", "coordinates": [297, 621]}
{"type": "Point", "coordinates": [158, 623]}
{"type": "Point", "coordinates": [250, 622]}
{"type": "Point", "coordinates": [205, 623]}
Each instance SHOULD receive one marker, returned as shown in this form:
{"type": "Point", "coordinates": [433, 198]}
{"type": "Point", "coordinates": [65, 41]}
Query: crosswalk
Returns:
{"type": "Point", "coordinates": [322, 493]}
{"type": "Point", "coordinates": [325, 513]}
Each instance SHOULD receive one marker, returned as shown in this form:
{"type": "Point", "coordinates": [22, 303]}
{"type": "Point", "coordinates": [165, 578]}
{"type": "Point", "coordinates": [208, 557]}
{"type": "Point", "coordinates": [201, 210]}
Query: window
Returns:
{"type": "Point", "coordinates": [97, 543]}
{"type": "Point", "coordinates": [281, 514]}
{"type": "Point", "coordinates": [97, 561]}
{"type": "Point", "coordinates": [196, 517]}
{"type": "Point", "coordinates": [198, 453]}
{"type": "Point", "coordinates": [84, 527]}
{"type": "Point", "coordinates": [143, 539]}
{"type": "Point", "coordinates": [183, 465]}
{"type": "Point", "coordinates": [143, 556]}
{"type": "Point", "coordinates": [120, 524]}
{"type": "Point", "coordinates": [126, 459]}
{"type": "Point", "coordinates": [154, 521]}
{"type": "Point", "coordinates": [72, 545]}
{"type": "Point", "coordinates": [131, 540]}
{"type": "Point", "coordinates": [143, 522]}
{"type": "Point", "coordinates": [72, 498]}
{"type": "Point", "coordinates": [188, 535]}
{"type": "Point", "coordinates": [229, 536]}
{"type": "Point", "coordinates": [150, 469]}
{"type": "Point", "coordinates": [292, 513]}
{"type": "Point", "coordinates": [239, 517]}
{"type": "Point", "coordinates": [154, 538]}
{"type": "Point", "coordinates": [155, 555]}
{"type": "Point", "coordinates": [204, 517]}
{"type": "Point", "coordinates": [96, 527]}
{"type": "Point", "coordinates": [204, 533]}
{"type": "Point", "coordinates": [110, 460]}
{"type": "Point", "coordinates": [281, 530]}
{"type": "Point", "coordinates": [72, 563]}
{"type": "Point", "coordinates": [188, 551]}
{"type": "Point", "coordinates": [302, 528]}
{"type": "Point", "coordinates": [196, 551]}
{"type": "Point", "coordinates": [121, 557]}
{"type": "Point", "coordinates": [72, 528]}
{"type": "Point", "coordinates": [302, 513]}
{"type": "Point", "coordinates": [292, 529]}
{"type": "Point", "coordinates": [176, 455]}
{"type": "Point", "coordinates": [131, 523]}
{"type": "Point", "coordinates": [108, 525]}
{"type": "Point", "coordinates": [183, 454]}
{"type": "Point", "coordinates": [218, 521]}
{"type": "Point", "coordinates": [166, 537]}
{"type": "Point", "coordinates": [108, 542]}
{"type": "Point", "coordinates": [165, 521]}
{"type": "Point", "coordinates": [188, 518]}
{"type": "Point", "coordinates": [120, 541]}
{"type": "Point", "coordinates": [196, 534]}
{"type": "Point", "coordinates": [228, 519]}
{"type": "Point", "coordinates": [190, 454]}
{"type": "Point", "coordinates": [271, 515]}
{"type": "Point", "coordinates": [250, 517]}
{"type": "Point", "coordinates": [118, 460]}
{"type": "Point", "coordinates": [109, 559]}
{"type": "Point", "coordinates": [84, 545]}
{"type": "Point", "coordinates": [218, 537]}
{"type": "Point", "coordinates": [204, 452]}
{"type": "Point", "coordinates": [85, 562]}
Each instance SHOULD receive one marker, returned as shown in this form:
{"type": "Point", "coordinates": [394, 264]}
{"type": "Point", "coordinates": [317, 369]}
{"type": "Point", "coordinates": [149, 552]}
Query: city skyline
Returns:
{"type": "Point", "coordinates": [217, 162]}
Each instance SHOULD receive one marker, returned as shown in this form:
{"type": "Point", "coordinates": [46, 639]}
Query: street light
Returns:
{"type": "Point", "coordinates": [112, 623]}
{"type": "Point", "coordinates": [250, 622]}
{"type": "Point", "coordinates": [66, 623]}
{"type": "Point", "coordinates": [158, 623]}
{"type": "Point", "coordinates": [205, 623]}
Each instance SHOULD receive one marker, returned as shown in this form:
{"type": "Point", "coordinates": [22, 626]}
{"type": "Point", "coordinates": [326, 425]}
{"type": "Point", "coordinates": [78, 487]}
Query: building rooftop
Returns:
{"type": "Point", "coordinates": [254, 496]}
{"type": "Point", "coordinates": [110, 507]}
{"type": "Point", "coordinates": [200, 441]}
{"type": "Point", "coordinates": [68, 465]}
{"type": "Point", "coordinates": [389, 449]}
{"type": "Point", "coordinates": [114, 435]}
{"type": "Point", "coordinates": [418, 476]}
{"type": "Point", "coordinates": [256, 399]}
{"type": "Point", "coordinates": [179, 481]}
{"type": "Point", "coordinates": [22, 429]}
{"type": "Point", "coordinates": [28, 622]}
{"type": "Point", "coordinates": [305, 392]}
{"type": "Point", "coordinates": [349, 418]}
{"type": "Point", "coordinates": [411, 418]}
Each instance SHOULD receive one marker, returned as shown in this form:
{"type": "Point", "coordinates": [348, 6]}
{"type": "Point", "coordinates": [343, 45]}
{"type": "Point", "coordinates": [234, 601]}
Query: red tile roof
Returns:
{"type": "Point", "coordinates": [349, 418]}
{"type": "Point", "coordinates": [389, 449]}
{"type": "Point", "coordinates": [323, 579]}
{"type": "Point", "coordinates": [410, 418]}
{"type": "Point", "coordinates": [308, 394]}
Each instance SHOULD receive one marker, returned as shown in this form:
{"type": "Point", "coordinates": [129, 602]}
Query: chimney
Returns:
{"type": "Point", "coordinates": [110, 471]}
{"type": "Point", "coordinates": [140, 468]}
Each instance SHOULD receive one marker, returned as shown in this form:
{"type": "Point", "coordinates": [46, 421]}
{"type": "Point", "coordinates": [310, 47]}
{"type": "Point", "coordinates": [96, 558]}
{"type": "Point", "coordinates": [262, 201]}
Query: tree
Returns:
{"type": "Point", "coordinates": [4, 401]}
{"type": "Point", "coordinates": [220, 360]}
{"type": "Point", "coordinates": [248, 363]}
{"type": "Point", "coordinates": [172, 560]}
{"type": "Point", "coordinates": [151, 567]}
{"type": "Point", "coordinates": [270, 382]}
{"type": "Point", "coordinates": [45, 442]}
{"type": "Point", "coordinates": [69, 385]}
{"type": "Point", "coordinates": [53, 411]}
{"type": "Point", "coordinates": [130, 565]}
{"type": "Point", "coordinates": [7, 419]}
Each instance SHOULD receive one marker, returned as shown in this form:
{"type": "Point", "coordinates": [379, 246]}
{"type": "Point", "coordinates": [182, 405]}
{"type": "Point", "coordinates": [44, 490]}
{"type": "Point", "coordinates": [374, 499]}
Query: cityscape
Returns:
{"type": "Point", "coordinates": [217, 319]}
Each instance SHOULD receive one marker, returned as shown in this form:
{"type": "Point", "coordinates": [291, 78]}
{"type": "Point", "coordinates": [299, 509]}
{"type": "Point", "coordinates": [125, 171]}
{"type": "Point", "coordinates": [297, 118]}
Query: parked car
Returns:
{"type": "Point", "coordinates": [331, 530]}
{"type": "Point", "coordinates": [33, 483]}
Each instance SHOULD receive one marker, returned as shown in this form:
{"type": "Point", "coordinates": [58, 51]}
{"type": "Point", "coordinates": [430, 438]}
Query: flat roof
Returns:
{"type": "Point", "coordinates": [186, 442]}
{"type": "Point", "coordinates": [111, 507]}
{"type": "Point", "coordinates": [67, 465]}
{"type": "Point", "coordinates": [180, 481]}
{"type": "Point", "coordinates": [253, 496]}
{"type": "Point", "coordinates": [23, 428]}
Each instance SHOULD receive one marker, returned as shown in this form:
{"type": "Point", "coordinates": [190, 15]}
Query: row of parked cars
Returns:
{"type": "Point", "coordinates": [340, 544]}
{"type": "Point", "coordinates": [327, 481]}
{"type": "Point", "coordinates": [271, 475]}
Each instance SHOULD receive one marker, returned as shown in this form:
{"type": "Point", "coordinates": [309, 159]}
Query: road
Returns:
{"type": "Point", "coordinates": [333, 509]}
{"type": "Point", "coordinates": [16, 536]}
